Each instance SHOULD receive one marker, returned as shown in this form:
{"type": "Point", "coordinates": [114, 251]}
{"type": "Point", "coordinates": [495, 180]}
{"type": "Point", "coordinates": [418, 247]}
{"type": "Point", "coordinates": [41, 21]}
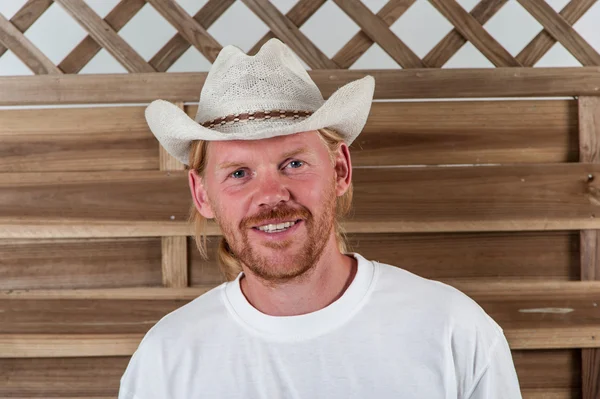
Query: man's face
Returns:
{"type": "Point", "coordinates": [274, 200]}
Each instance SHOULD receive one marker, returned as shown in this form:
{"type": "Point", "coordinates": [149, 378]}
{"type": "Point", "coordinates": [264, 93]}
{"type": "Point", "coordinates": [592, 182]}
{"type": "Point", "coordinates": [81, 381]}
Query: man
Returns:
{"type": "Point", "coordinates": [301, 317]}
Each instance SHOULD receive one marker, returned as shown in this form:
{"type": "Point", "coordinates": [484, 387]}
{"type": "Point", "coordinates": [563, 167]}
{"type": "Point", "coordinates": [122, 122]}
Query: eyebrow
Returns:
{"type": "Point", "coordinates": [290, 154]}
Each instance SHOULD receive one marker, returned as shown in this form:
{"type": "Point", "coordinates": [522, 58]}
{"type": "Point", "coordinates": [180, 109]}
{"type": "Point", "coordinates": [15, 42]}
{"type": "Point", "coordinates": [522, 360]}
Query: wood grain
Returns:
{"type": "Point", "coordinates": [412, 199]}
{"type": "Point", "coordinates": [289, 33]}
{"type": "Point", "coordinates": [26, 51]}
{"type": "Point", "coordinates": [92, 378]}
{"type": "Point", "coordinates": [453, 41]}
{"type": "Point", "coordinates": [57, 327]}
{"type": "Point", "coordinates": [26, 16]}
{"type": "Point", "coordinates": [177, 45]}
{"type": "Point", "coordinates": [474, 32]}
{"type": "Point", "coordinates": [380, 33]}
{"type": "Point", "coordinates": [174, 248]}
{"type": "Point", "coordinates": [549, 373]}
{"type": "Point", "coordinates": [68, 345]}
{"type": "Point", "coordinates": [361, 42]}
{"type": "Point", "coordinates": [188, 28]}
{"type": "Point", "coordinates": [83, 53]}
{"type": "Point", "coordinates": [466, 132]}
{"type": "Point", "coordinates": [589, 148]}
{"type": "Point", "coordinates": [298, 15]}
{"type": "Point", "coordinates": [390, 84]}
{"type": "Point", "coordinates": [76, 139]}
{"type": "Point", "coordinates": [560, 29]}
{"type": "Point", "coordinates": [79, 263]}
{"type": "Point", "coordinates": [396, 133]}
{"type": "Point", "coordinates": [543, 41]}
{"type": "Point", "coordinates": [451, 258]}
{"type": "Point", "coordinates": [105, 36]}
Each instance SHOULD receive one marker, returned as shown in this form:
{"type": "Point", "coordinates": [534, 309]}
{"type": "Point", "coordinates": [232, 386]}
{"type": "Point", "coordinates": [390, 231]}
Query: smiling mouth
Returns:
{"type": "Point", "coordinates": [276, 228]}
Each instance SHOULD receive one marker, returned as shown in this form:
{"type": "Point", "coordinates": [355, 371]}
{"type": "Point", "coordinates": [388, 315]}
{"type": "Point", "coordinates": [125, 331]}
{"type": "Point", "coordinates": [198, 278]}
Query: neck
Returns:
{"type": "Point", "coordinates": [325, 282]}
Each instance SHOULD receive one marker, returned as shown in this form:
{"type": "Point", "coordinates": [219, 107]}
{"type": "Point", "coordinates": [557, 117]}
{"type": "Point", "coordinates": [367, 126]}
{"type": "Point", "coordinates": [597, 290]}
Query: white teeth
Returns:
{"type": "Point", "coordinates": [276, 228]}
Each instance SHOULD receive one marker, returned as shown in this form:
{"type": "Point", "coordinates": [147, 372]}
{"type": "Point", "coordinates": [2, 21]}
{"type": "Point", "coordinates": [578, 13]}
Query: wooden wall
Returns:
{"type": "Point", "coordinates": [489, 196]}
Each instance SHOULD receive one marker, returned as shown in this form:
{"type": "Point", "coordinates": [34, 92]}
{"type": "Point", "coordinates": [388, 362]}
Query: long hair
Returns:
{"type": "Point", "coordinates": [229, 264]}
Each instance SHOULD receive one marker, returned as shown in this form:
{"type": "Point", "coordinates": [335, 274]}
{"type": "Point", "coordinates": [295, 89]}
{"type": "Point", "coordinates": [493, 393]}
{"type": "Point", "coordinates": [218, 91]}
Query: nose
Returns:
{"type": "Point", "coordinates": [271, 190]}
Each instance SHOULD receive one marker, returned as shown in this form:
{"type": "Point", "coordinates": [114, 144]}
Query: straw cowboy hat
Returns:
{"type": "Point", "coordinates": [257, 97]}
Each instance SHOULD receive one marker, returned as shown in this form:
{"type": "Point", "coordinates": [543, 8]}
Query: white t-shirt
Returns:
{"type": "Point", "coordinates": [392, 334]}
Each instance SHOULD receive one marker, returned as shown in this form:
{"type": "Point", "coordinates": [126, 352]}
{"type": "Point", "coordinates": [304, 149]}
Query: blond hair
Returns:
{"type": "Point", "coordinates": [229, 264]}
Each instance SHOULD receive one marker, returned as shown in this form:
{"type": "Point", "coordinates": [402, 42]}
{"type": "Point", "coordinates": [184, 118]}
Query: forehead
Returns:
{"type": "Point", "coordinates": [237, 150]}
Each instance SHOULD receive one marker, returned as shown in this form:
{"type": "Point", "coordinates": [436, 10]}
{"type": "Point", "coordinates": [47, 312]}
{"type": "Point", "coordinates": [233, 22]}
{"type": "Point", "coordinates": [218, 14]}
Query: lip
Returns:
{"type": "Point", "coordinates": [277, 236]}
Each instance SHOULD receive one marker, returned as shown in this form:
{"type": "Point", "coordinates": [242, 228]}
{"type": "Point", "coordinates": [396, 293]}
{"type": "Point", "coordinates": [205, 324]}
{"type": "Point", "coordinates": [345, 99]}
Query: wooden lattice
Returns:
{"type": "Point", "coordinates": [375, 28]}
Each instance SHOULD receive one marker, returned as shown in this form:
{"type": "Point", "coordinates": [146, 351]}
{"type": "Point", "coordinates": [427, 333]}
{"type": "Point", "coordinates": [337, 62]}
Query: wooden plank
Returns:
{"type": "Point", "coordinates": [117, 18]}
{"type": "Point", "coordinates": [391, 84]}
{"type": "Point", "coordinates": [380, 33]}
{"type": "Point", "coordinates": [453, 41]}
{"type": "Point", "coordinates": [76, 139]}
{"type": "Point", "coordinates": [554, 373]}
{"type": "Point", "coordinates": [68, 345]}
{"type": "Point", "coordinates": [178, 45]}
{"type": "Point", "coordinates": [174, 249]}
{"type": "Point", "coordinates": [84, 377]}
{"type": "Point", "coordinates": [533, 316]}
{"type": "Point", "coordinates": [298, 15]}
{"type": "Point", "coordinates": [560, 29]}
{"type": "Point", "coordinates": [79, 263]}
{"type": "Point", "coordinates": [91, 378]}
{"type": "Point", "coordinates": [589, 144]}
{"type": "Point", "coordinates": [451, 258]}
{"type": "Point", "coordinates": [129, 293]}
{"type": "Point", "coordinates": [26, 16]}
{"type": "Point", "coordinates": [466, 132]}
{"type": "Point", "coordinates": [289, 33]}
{"type": "Point", "coordinates": [361, 42]}
{"type": "Point", "coordinates": [26, 51]}
{"type": "Point", "coordinates": [188, 27]}
{"type": "Point", "coordinates": [105, 36]}
{"type": "Point", "coordinates": [543, 41]}
{"type": "Point", "coordinates": [397, 133]}
{"type": "Point", "coordinates": [406, 199]}
{"type": "Point", "coordinates": [474, 32]}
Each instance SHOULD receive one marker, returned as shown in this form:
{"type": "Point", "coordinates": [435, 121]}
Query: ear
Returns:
{"type": "Point", "coordinates": [343, 169]}
{"type": "Point", "coordinates": [199, 194]}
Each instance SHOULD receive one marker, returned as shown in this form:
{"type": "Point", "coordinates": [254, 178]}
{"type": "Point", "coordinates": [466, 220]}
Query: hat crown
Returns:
{"type": "Point", "coordinates": [273, 79]}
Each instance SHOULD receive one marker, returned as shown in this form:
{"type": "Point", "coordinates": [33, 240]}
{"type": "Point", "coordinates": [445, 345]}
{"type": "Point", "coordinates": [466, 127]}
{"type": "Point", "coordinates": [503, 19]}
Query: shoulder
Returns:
{"type": "Point", "coordinates": [168, 342]}
{"type": "Point", "coordinates": [434, 299]}
{"type": "Point", "coordinates": [199, 314]}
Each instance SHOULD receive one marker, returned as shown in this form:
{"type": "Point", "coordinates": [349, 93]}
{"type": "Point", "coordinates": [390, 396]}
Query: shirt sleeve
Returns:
{"type": "Point", "coordinates": [499, 379]}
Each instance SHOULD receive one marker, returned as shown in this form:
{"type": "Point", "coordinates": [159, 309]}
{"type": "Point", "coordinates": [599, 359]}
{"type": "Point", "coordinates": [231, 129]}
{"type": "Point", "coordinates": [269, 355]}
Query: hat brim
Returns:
{"type": "Point", "coordinates": [346, 111]}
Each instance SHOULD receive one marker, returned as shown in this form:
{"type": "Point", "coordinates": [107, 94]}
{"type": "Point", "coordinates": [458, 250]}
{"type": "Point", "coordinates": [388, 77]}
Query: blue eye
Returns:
{"type": "Point", "coordinates": [295, 164]}
{"type": "Point", "coordinates": [239, 174]}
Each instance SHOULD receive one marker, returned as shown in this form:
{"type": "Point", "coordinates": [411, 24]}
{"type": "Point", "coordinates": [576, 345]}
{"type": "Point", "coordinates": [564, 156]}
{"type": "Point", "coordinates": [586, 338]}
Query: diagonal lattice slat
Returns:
{"type": "Point", "coordinates": [192, 31]}
{"type": "Point", "coordinates": [27, 15]}
{"type": "Point", "coordinates": [298, 15]}
{"type": "Point", "coordinates": [106, 36]}
{"type": "Point", "coordinates": [188, 27]}
{"type": "Point", "coordinates": [177, 45]}
{"type": "Point", "coordinates": [379, 32]}
{"type": "Point", "coordinates": [540, 45]}
{"type": "Point", "coordinates": [88, 47]}
{"type": "Point", "coordinates": [453, 41]}
{"type": "Point", "coordinates": [289, 33]}
{"type": "Point", "coordinates": [361, 42]}
{"type": "Point", "coordinates": [560, 29]}
{"type": "Point", "coordinates": [474, 32]}
{"type": "Point", "coordinates": [13, 39]}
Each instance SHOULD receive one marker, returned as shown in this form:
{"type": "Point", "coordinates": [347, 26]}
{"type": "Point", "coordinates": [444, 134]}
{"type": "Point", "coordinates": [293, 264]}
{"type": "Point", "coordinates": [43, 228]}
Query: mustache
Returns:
{"type": "Point", "coordinates": [275, 213]}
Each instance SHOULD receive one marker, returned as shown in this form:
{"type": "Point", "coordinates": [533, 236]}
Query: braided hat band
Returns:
{"type": "Point", "coordinates": [256, 116]}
